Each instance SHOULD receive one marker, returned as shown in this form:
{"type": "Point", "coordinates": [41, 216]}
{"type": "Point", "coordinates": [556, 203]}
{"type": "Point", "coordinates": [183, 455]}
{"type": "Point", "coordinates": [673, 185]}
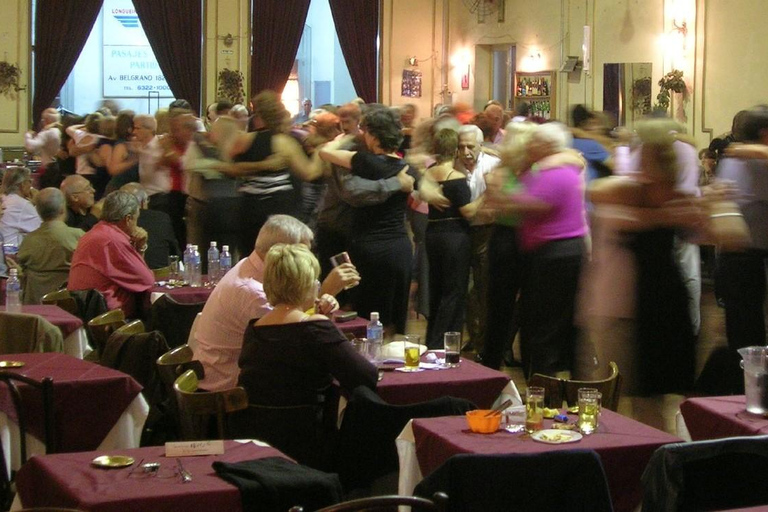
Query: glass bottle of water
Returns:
{"type": "Point", "coordinates": [13, 292]}
{"type": "Point", "coordinates": [196, 278]}
{"type": "Point", "coordinates": [375, 335]}
{"type": "Point", "coordinates": [225, 261]}
{"type": "Point", "coordinates": [213, 263]}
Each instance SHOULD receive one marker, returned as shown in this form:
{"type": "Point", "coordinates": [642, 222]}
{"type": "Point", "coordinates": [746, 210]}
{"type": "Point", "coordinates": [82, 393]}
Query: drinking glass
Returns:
{"type": "Point", "coordinates": [174, 273]}
{"type": "Point", "coordinates": [589, 410]}
{"type": "Point", "coordinates": [452, 345]}
{"type": "Point", "coordinates": [412, 352]}
{"type": "Point", "coordinates": [534, 409]}
{"type": "Point", "coordinates": [339, 259]}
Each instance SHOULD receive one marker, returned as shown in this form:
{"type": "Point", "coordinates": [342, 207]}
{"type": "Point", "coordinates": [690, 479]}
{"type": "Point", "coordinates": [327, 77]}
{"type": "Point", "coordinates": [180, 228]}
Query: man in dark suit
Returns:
{"type": "Point", "coordinates": [161, 242]}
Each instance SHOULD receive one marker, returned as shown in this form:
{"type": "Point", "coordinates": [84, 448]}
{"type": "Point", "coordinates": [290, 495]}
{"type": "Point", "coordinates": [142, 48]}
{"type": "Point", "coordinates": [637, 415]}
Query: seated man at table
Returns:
{"type": "Point", "coordinates": [109, 258]}
{"type": "Point", "coordinates": [161, 242]}
{"type": "Point", "coordinates": [239, 297]}
{"type": "Point", "coordinates": [46, 253]}
{"type": "Point", "coordinates": [80, 198]}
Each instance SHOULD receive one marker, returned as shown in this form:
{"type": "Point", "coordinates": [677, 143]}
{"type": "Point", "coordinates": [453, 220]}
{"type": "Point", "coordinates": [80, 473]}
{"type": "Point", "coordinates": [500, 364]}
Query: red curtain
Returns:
{"type": "Point", "coordinates": [175, 32]}
{"type": "Point", "coordinates": [61, 29]}
{"type": "Point", "coordinates": [277, 27]}
{"type": "Point", "coordinates": [357, 24]}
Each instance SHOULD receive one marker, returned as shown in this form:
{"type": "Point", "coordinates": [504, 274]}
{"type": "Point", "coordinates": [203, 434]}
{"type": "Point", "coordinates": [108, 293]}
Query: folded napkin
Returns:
{"type": "Point", "coordinates": [277, 484]}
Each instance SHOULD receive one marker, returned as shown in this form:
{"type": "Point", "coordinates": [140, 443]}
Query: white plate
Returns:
{"type": "Point", "coordinates": [553, 436]}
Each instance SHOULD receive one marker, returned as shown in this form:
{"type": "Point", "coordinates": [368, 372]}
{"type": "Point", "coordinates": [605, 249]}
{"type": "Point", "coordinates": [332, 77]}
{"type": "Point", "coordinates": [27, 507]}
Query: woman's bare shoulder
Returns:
{"type": "Point", "coordinates": [615, 190]}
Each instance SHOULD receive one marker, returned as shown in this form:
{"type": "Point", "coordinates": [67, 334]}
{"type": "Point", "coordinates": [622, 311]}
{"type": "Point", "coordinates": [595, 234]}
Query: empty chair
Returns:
{"type": "Point", "coordinates": [133, 327]}
{"type": "Point", "coordinates": [102, 326]}
{"type": "Point", "coordinates": [557, 390]}
{"type": "Point", "coordinates": [366, 446]}
{"type": "Point", "coordinates": [26, 406]}
{"type": "Point", "coordinates": [63, 299]}
{"type": "Point", "coordinates": [174, 319]}
{"type": "Point", "coordinates": [722, 474]}
{"type": "Point", "coordinates": [197, 407]}
{"type": "Point", "coordinates": [571, 480]}
{"type": "Point", "coordinates": [386, 503]}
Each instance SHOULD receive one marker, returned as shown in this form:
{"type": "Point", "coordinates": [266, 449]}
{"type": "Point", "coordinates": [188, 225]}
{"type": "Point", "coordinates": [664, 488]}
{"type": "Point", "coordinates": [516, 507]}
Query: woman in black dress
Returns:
{"type": "Point", "coordinates": [449, 247]}
{"type": "Point", "coordinates": [380, 249]}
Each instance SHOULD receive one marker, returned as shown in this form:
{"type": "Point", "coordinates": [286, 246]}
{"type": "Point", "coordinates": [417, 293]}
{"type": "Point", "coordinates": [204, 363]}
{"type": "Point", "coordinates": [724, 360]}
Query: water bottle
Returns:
{"type": "Point", "coordinates": [375, 335]}
{"type": "Point", "coordinates": [225, 261]}
{"type": "Point", "coordinates": [213, 263]}
{"type": "Point", "coordinates": [187, 259]}
{"type": "Point", "coordinates": [13, 292]}
{"type": "Point", "coordinates": [196, 278]}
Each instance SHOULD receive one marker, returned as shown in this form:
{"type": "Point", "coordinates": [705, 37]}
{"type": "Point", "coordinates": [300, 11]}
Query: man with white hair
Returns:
{"type": "Point", "coordinates": [47, 141]}
{"type": "Point", "coordinates": [239, 297]}
{"type": "Point", "coordinates": [45, 254]}
{"type": "Point", "coordinates": [109, 258]}
{"type": "Point", "coordinates": [79, 194]}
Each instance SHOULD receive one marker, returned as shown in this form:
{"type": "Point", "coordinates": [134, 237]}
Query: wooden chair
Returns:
{"type": "Point", "coordinates": [438, 503]}
{"type": "Point", "coordinates": [134, 327]}
{"type": "Point", "coordinates": [46, 391]}
{"type": "Point", "coordinates": [63, 299]}
{"type": "Point", "coordinates": [103, 326]}
{"type": "Point", "coordinates": [162, 273]}
{"type": "Point", "coordinates": [174, 319]}
{"type": "Point", "coordinates": [196, 407]}
{"type": "Point", "coordinates": [557, 390]}
{"type": "Point", "coordinates": [170, 366]}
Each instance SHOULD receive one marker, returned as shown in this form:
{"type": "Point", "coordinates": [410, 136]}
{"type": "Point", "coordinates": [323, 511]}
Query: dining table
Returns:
{"type": "Point", "coordinates": [94, 406]}
{"type": "Point", "coordinates": [182, 294]}
{"type": "Point", "coordinates": [70, 480]}
{"type": "Point", "coordinates": [71, 327]}
{"type": "Point", "coordinates": [717, 417]}
{"type": "Point", "coordinates": [624, 445]}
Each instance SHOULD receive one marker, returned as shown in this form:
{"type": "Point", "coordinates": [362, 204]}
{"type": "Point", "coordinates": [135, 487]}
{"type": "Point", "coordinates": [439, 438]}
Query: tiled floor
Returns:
{"type": "Point", "coordinates": [656, 411]}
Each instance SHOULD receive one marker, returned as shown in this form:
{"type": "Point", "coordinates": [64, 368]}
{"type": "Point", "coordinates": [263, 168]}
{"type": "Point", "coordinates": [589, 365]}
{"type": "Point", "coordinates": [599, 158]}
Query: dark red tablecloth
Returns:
{"type": "Point", "coordinates": [357, 327]}
{"type": "Point", "coordinates": [470, 380]}
{"type": "Point", "coordinates": [88, 398]}
{"type": "Point", "coordinates": [717, 417]}
{"type": "Point", "coordinates": [69, 480]}
{"type": "Point", "coordinates": [66, 322]}
{"type": "Point", "coordinates": [624, 445]}
{"type": "Point", "coordinates": [186, 294]}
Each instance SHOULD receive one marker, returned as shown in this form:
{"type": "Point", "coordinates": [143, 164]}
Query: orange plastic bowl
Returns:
{"type": "Point", "coordinates": [482, 424]}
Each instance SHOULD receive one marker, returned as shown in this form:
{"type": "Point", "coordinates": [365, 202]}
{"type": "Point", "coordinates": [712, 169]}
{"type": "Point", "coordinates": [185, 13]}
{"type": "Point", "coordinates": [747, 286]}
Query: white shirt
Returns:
{"type": "Point", "coordinates": [46, 143]}
{"type": "Point", "coordinates": [83, 138]}
{"type": "Point", "coordinates": [476, 179]}
{"type": "Point", "coordinates": [154, 178]}
{"type": "Point", "coordinates": [20, 217]}
{"type": "Point", "coordinates": [238, 298]}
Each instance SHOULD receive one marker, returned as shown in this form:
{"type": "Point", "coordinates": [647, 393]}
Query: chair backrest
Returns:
{"type": "Point", "coordinates": [45, 388]}
{"type": "Point", "coordinates": [169, 366]}
{"type": "Point", "coordinates": [557, 390]}
{"type": "Point", "coordinates": [386, 503]}
{"type": "Point", "coordinates": [721, 474]}
{"type": "Point", "coordinates": [133, 327]}
{"type": "Point", "coordinates": [102, 326]}
{"type": "Point", "coordinates": [174, 319]}
{"type": "Point", "coordinates": [196, 407]}
{"type": "Point", "coordinates": [63, 299]}
{"type": "Point", "coordinates": [366, 443]}
{"type": "Point", "coordinates": [572, 477]}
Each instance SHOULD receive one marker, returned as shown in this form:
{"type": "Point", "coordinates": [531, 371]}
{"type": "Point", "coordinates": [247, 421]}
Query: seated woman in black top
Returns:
{"type": "Point", "coordinates": [290, 359]}
{"type": "Point", "coordinates": [380, 249]}
{"type": "Point", "coordinates": [449, 247]}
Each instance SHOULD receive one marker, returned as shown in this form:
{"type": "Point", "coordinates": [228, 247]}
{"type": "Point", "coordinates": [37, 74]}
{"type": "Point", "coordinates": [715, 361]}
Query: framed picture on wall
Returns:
{"type": "Point", "coordinates": [411, 86]}
{"type": "Point", "coordinates": [465, 80]}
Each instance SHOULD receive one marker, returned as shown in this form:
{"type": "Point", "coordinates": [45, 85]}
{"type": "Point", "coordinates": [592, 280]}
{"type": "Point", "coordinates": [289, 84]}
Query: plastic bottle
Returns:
{"type": "Point", "coordinates": [13, 292]}
{"type": "Point", "coordinates": [196, 278]}
{"type": "Point", "coordinates": [225, 261]}
{"type": "Point", "coordinates": [187, 259]}
{"type": "Point", "coordinates": [375, 335]}
{"type": "Point", "coordinates": [213, 263]}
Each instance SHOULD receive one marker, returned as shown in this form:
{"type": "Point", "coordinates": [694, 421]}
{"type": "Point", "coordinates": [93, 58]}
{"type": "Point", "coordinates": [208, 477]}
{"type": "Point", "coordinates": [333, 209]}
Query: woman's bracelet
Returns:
{"type": "Point", "coordinates": [720, 215]}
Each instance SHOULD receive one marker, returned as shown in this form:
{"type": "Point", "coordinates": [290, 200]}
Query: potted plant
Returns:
{"type": "Point", "coordinates": [672, 81]}
{"type": "Point", "coordinates": [9, 79]}
{"type": "Point", "coordinates": [231, 86]}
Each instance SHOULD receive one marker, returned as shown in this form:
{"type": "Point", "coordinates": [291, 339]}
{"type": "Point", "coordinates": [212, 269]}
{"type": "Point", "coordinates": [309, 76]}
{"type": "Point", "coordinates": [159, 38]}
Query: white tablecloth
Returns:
{"type": "Point", "coordinates": [126, 433]}
{"type": "Point", "coordinates": [76, 344]}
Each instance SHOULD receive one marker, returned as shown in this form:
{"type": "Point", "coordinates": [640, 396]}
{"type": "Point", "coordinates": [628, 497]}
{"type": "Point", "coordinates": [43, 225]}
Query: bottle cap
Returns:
{"type": "Point", "coordinates": [213, 244]}
{"type": "Point", "coordinates": [374, 316]}
{"type": "Point", "coordinates": [225, 248]}
{"type": "Point", "coordinates": [13, 272]}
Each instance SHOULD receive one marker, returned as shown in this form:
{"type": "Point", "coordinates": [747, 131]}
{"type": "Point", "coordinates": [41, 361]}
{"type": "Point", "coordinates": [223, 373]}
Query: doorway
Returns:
{"type": "Point", "coordinates": [494, 74]}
